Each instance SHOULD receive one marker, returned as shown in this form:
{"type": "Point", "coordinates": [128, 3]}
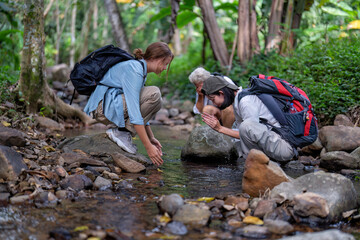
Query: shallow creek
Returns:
{"type": "Point", "coordinates": [129, 213]}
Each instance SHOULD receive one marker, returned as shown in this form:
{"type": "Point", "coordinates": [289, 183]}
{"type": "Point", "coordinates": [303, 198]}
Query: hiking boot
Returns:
{"type": "Point", "coordinates": [123, 139]}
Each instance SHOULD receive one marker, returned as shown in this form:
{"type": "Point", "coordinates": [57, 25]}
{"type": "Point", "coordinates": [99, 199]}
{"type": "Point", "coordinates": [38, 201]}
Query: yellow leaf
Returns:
{"type": "Point", "coordinates": [49, 148]}
{"type": "Point", "coordinates": [343, 34]}
{"type": "Point", "coordinates": [58, 135]}
{"type": "Point", "coordinates": [165, 219]}
{"type": "Point", "coordinates": [168, 237]}
{"type": "Point", "coordinates": [94, 238]}
{"type": "Point", "coordinates": [205, 199]}
{"type": "Point", "coordinates": [253, 220]}
{"type": "Point", "coordinates": [81, 228]}
{"type": "Point", "coordinates": [354, 24]}
{"type": "Point", "coordinates": [123, 1]}
{"type": "Point", "coordinates": [5, 124]}
{"type": "Point", "coordinates": [159, 170]}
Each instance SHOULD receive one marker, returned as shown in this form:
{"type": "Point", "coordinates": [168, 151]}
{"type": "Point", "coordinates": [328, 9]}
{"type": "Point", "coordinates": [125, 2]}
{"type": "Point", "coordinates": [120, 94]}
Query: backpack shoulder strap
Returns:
{"type": "Point", "coordinates": [142, 64]}
{"type": "Point", "coordinates": [274, 108]}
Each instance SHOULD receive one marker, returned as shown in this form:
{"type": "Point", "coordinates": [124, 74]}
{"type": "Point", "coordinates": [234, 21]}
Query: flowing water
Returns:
{"type": "Point", "coordinates": [130, 212]}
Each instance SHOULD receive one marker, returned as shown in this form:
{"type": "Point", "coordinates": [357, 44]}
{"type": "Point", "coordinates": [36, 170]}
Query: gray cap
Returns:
{"type": "Point", "coordinates": [215, 83]}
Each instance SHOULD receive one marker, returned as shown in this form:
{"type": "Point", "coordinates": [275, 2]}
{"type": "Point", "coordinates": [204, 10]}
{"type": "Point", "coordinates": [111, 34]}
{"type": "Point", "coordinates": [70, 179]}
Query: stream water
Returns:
{"type": "Point", "coordinates": [129, 213]}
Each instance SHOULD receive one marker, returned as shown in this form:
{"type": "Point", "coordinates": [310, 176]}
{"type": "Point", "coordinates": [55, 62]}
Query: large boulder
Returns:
{"type": "Point", "coordinates": [337, 160]}
{"type": "Point", "coordinates": [340, 138]}
{"type": "Point", "coordinates": [11, 137]}
{"type": "Point", "coordinates": [207, 145]}
{"type": "Point", "coordinates": [343, 120]}
{"type": "Point", "coordinates": [11, 163]}
{"type": "Point", "coordinates": [261, 174]}
{"type": "Point", "coordinates": [337, 190]}
{"type": "Point", "coordinates": [48, 124]}
{"type": "Point", "coordinates": [99, 144]}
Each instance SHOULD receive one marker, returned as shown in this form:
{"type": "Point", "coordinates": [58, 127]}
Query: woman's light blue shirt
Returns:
{"type": "Point", "coordinates": [123, 78]}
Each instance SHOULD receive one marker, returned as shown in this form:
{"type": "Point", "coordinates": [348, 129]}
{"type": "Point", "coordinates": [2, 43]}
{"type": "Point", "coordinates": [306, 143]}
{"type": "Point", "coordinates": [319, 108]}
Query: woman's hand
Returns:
{"type": "Point", "coordinates": [154, 154]}
{"type": "Point", "coordinates": [156, 143]}
{"type": "Point", "coordinates": [211, 121]}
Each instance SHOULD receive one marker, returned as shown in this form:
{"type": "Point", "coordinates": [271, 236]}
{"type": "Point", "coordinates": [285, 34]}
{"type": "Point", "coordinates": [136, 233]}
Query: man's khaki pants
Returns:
{"type": "Point", "coordinates": [150, 104]}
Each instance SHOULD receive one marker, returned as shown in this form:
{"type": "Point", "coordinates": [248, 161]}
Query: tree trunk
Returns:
{"type": "Point", "coordinates": [105, 31]}
{"type": "Point", "coordinates": [254, 39]}
{"type": "Point", "coordinates": [274, 35]}
{"type": "Point", "coordinates": [73, 32]}
{"type": "Point", "coordinates": [244, 50]}
{"type": "Point", "coordinates": [177, 42]}
{"type": "Point", "coordinates": [95, 21]}
{"type": "Point", "coordinates": [299, 9]}
{"type": "Point", "coordinates": [86, 30]}
{"type": "Point", "coordinates": [216, 40]}
{"type": "Point", "coordinates": [285, 42]}
{"type": "Point", "coordinates": [173, 26]}
{"type": "Point", "coordinates": [57, 42]}
{"type": "Point", "coordinates": [117, 25]}
{"type": "Point", "coordinates": [32, 84]}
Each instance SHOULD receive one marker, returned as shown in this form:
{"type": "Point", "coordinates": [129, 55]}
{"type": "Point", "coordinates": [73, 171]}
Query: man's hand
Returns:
{"type": "Point", "coordinates": [211, 121]}
{"type": "Point", "coordinates": [198, 88]}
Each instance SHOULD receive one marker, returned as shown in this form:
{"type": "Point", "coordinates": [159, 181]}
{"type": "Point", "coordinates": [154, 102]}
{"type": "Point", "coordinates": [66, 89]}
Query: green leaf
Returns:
{"type": "Point", "coordinates": [185, 18]}
{"type": "Point", "coordinates": [227, 6]}
{"type": "Point", "coordinates": [189, 4]}
{"type": "Point", "coordinates": [163, 13]}
{"type": "Point", "coordinates": [343, 5]}
{"type": "Point", "coordinates": [335, 11]}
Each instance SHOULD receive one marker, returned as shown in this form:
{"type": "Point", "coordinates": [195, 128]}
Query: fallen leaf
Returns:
{"type": "Point", "coordinates": [205, 199]}
{"type": "Point", "coordinates": [253, 220]}
{"type": "Point", "coordinates": [49, 148]}
{"type": "Point", "coordinates": [81, 228]}
{"type": "Point", "coordinates": [159, 170]}
{"type": "Point", "coordinates": [5, 124]}
{"type": "Point", "coordinates": [165, 218]}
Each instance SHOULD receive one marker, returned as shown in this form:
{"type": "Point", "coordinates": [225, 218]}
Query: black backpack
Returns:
{"type": "Point", "coordinates": [289, 105]}
{"type": "Point", "coordinates": [87, 74]}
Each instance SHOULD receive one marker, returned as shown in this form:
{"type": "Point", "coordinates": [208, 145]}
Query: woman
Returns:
{"type": "Point", "coordinates": [204, 105]}
{"type": "Point", "coordinates": [248, 113]}
{"type": "Point", "coordinates": [123, 101]}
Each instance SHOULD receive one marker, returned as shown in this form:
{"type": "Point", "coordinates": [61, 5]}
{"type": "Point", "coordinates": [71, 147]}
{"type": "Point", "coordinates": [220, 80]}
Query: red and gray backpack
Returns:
{"type": "Point", "coordinates": [289, 105]}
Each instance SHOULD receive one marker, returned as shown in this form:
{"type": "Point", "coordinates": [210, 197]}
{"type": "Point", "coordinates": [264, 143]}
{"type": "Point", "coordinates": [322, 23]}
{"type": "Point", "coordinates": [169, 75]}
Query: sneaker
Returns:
{"type": "Point", "coordinates": [122, 139]}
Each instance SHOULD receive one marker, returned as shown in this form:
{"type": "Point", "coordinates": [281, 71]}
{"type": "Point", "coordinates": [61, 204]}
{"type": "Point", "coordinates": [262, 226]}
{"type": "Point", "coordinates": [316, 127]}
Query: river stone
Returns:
{"type": "Point", "coordinates": [340, 138]}
{"type": "Point", "coordinates": [191, 214]}
{"type": "Point", "coordinates": [19, 199]}
{"type": "Point", "coordinates": [99, 144]}
{"type": "Point", "coordinates": [310, 204]}
{"type": "Point", "coordinates": [11, 137]}
{"type": "Point", "coordinates": [278, 226]}
{"type": "Point", "coordinates": [207, 145]}
{"type": "Point", "coordinates": [171, 203]}
{"type": "Point", "coordinates": [83, 159]}
{"type": "Point", "coordinates": [48, 124]}
{"type": "Point", "coordinates": [261, 174]}
{"type": "Point", "coordinates": [4, 198]}
{"type": "Point", "coordinates": [263, 207]}
{"type": "Point", "coordinates": [102, 183]}
{"type": "Point", "coordinates": [176, 228]}
{"type": "Point", "coordinates": [173, 112]}
{"type": "Point", "coordinates": [332, 234]}
{"type": "Point", "coordinates": [253, 231]}
{"type": "Point", "coordinates": [280, 213]}
{"type": "Point", "coordinates": [162, 115]}
{"type": "Point", "coordinates": [356, 153]}
{"type": "Point", "coordinates": [338, 191]}
{"type": "Point", "coordinates": [127, 164]}
{"type": "Point", "coordinates": [11, 163]}
{"type": "Point", "coordinates": [343, 120]}
{"type": "Point", "coordinates": [76, 182]}
{"type": "Point", "coordinates": [338, 160]}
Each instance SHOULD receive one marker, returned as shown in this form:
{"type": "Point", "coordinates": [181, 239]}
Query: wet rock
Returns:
{"type": "Point", "coordinates": [176, 228]}
{"type": "Point", "coordinates": [294, 166]}
{"type": "Point", "coordinates": [99, 144]}
{"type": "Point", "coordinates": [112, 176]}
{"type": "Point", "coordinates": [83, 159]}
{"type": "Point", "coordinates": [127, 164]}
{"type": "Point", "coordinates": [60, 234]}
{"type": "Point", "coordinates": [19, 199]}
{"type": "Point", "coordinates": [343, 120]}
{"type": "Point", "coordinates": [332, 234]}
{"type": "Point", "coordinates": [123, 185]}
{"type": "Point", "coordinates": [186, 106]}
{"type": "Point", "coordinates": [253, 231]}
{"type": "Point", "coordinates": [76, 182]}
{"type": "Point", "coordinates": [205, 144]}
{"type": "Point", "coordinates": [61, 172]}
{"type": "Point", "coordinates": [310, 204]}
{"type": "Point", "coordinates": [45, 199]}
{"type": "Point", "coordinates": [240, 203]}
{"type": "Point", "coordinates": [191, 214]}
{"type": "Point", "coordinates": [263, 207]}
{"type": "Point", "coordinates": [62, 194]}
{"type": "Point", "coordinates": [338, 191]}
{"type": "Point", "coordinates": [4, 198]}
{"type": "Point", "coordinates": [184, 116]}
{"type": "Point", "coordinates": [11, 163]}
{"type": "Point", "coordinates": [356, 153]}
{"type": "Point", "coordinates": [340, 138]}
{"type": "Point", "coordinates": [171, 203]}
{"type": "Point", "coordinates": [278, 226]}
{"type": "Point", "coordinates": [217, 203]}
{"type": "Point", "coordinates": [11, 137]}
{"type": "Point", "coordinates": [338, 160]}
{"type": "Point", "coordinates": [89, 174]}
{"type": "Point", "coordinates": [48, 124]}
{"type": "Point", "coordinates": [173, 112]}
{"type": "Point", "coordinates": [280, 213]}
{"type": "Point", "coordinates": [261, 174]}
{"type": "Point", "coordinates": [162, 115]}
{"type": "Point", "coordinates": [102, 183]}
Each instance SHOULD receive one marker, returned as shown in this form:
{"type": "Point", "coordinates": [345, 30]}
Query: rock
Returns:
{"type": "Point", "coordinates": [263, 207]}
{"type": "Point", "coordinates": [162, 115]}
{"type": "Point", "coordinates": [62, 194]}
{"type": "Point", "coordinates": [19, 199]}
{"type": "Point", "coordinates": [176, 228]}
{"type": "Point", "coordinates": [4, 198]}
{"type": "Point", "coordinates": [206, 145]}
{"type": "Point", "coordinates": [186, 106]}
{"type": "Point", "coordinates": [127, 164]}
{"type": "Point", "coordinates": [59, 72]}
{"type": "Point", "coordinates": [83, 159]}
{"type": "Point", "coordinates": [173, 112]}
{"type": "Point", "coordinates": [110, 175]}
{"type": "Point", "coordinates": [60, 234]}
{"type": "Point", "coordinates": [99, 144]}
{"type": "Point", "coordinates": [45, 199]}
{"type": "Point", "coordinates": [191, 214]}
{"type": "Point", "coordinates": [340, 138]}
{"type": "Point", "coordinates": [240, 203]}
{"type": "Point", "coordinates": [294, 166]}
{"type": "Point", "coordinates": [102, 183]}
{"type": "Point", "coordinates": [338, 191]}
{"type": "Point", "coordinates": [171, 203]}
{"type": "Point", "coordinates": [278, 226]}
{"type": "Point", "coordinates": [11, 137]}
{"type": "Point", "coordinates": [48, 124]}
{"type": "Point", "coordinates": [61, 171]}
{"type": "Point", "coordinates": [253, 231]}
{"type": "Point", "coordinates": [310, 204]}
{"type": "Point", "coordinates": [343, 120]}
{"type": "Point", "coordinates": [356, 153]}
{"type": "Point", "coordinates": [280, 213]}
{"type": "Point", "coordinates": [261, 174]}
{"type": "Point", "coordinates": [11, 163]}
{"type": "Point", "coordinates": [183, 116]}
{"type": "Point", "coordinates": [332, 234]}
{"type": "Point", "coordinates": [123, 185]}
{"type": "Point", "coordinates": [76, 182]}
{"type": "Point", "coordinates": [338, 160]}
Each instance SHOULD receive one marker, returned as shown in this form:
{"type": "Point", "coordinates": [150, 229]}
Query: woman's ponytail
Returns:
{"type": "Point", "coordinates": [138, 54]}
